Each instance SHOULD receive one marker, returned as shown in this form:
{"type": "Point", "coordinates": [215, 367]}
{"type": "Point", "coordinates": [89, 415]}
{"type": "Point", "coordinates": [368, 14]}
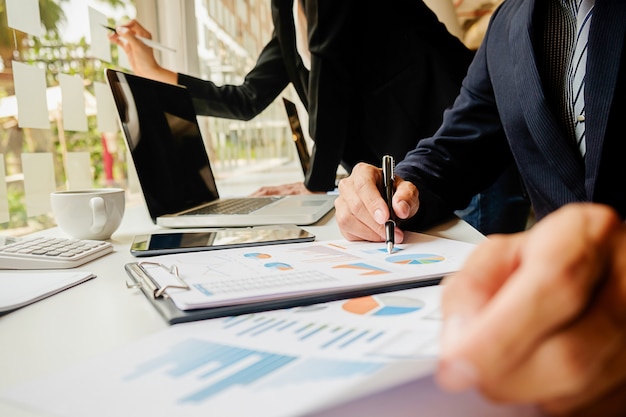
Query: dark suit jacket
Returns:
{"type": "Point", "coordinates": [381, 75]}
{"type": "Point", "coordinates": [502, 115]}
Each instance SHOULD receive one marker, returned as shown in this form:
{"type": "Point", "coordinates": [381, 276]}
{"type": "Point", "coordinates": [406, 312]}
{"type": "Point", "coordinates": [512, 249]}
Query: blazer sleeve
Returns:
{"type": "Point", "coordinates": [242, 102]}
{"type": "Point", "coordinates": [464, 156]}
{"type": "Point", "coordinates": [331, 87]}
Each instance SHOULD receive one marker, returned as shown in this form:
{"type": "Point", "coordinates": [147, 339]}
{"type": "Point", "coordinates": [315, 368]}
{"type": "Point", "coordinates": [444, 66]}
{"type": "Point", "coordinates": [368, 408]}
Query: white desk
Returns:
{"type": "Point", "coordinates": [102, 314]}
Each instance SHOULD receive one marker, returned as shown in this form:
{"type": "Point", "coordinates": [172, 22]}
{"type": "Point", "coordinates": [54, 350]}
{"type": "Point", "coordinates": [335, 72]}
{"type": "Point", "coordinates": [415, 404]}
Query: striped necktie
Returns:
{"type": "Point", "coordinates": [577, 70]}
{"type": "Point", "coordinates": [559, 39]}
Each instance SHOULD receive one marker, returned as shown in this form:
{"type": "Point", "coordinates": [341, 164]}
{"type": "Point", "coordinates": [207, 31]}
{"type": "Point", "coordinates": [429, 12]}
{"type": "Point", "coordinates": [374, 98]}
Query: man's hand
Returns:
{"type": "Point", "coordinates": [361, 210]}
{"type": "Point", "coordinates": [540, 316]}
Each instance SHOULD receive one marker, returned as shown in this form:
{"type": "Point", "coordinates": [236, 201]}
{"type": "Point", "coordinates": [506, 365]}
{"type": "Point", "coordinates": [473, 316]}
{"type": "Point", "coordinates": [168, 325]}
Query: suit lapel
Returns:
{"type": "Point", "coordinates": [606, 42]}
{"type": "Point", "coordinates": [541, 121]}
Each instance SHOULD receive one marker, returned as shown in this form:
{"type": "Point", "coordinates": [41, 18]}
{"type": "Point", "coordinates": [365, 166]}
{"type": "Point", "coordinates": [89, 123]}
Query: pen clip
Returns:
{"type": "Point", "coordinates": [388, 168]}
{"type": "Point", "coordinates": [388, 178]}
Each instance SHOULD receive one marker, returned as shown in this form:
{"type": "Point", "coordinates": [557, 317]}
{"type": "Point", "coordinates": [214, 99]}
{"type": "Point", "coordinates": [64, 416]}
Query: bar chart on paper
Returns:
{"type": "Point", "coordinates": [319, 335]}
{"type": "Point", "coordinates": [303, 355]}
{"type": "Point", "coordinates": [218, 368]}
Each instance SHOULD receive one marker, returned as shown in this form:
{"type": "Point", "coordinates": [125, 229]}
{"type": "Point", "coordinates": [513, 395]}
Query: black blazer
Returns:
{"type": "Point", "coordinates": [503, 116]}
{"type": "Point", "coordinates": [381, 75]}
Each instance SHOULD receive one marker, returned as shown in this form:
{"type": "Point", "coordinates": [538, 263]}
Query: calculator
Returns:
{"type": "Point", "coordinates": [49, 252]}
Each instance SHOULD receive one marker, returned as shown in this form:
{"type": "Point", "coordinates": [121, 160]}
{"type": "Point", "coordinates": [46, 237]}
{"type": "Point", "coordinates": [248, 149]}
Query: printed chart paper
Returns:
{"type": "Point", "coordinates": [271, 364]}
{"type": "Point", "coordinates": [278, 272]}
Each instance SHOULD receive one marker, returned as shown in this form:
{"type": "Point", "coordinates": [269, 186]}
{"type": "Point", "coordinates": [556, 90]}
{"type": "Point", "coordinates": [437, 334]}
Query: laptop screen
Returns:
{"type": "Point", "coordinates": [298, 135]}
{"type": "Point", "coordinates": [162, 133]}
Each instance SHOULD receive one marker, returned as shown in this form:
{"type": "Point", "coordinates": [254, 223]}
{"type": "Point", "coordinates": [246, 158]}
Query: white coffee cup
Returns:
{"type": "Point", "coordinates": [89, 214]}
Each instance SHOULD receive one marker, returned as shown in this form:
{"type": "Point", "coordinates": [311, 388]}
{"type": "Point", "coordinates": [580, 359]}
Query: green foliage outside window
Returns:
{"type": "Point", "coordinates": [56, 56]}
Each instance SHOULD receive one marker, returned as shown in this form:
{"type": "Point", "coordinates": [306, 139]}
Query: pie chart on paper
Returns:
{"type": "Point", "coordinates": [279, 266]}
{"type": "Point", "coordinates": [383, 305]}
{"type": "Point", "coordinates": [257, 255]}
{"type": "Point", "coordinates": [415, 259]}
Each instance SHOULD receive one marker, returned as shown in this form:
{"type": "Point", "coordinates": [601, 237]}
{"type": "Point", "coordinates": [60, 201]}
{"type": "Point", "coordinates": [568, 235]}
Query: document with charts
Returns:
{"type": "Point", "coordinates": [282, 363]}
{"type": "Point", "coordinates": [201, 280]}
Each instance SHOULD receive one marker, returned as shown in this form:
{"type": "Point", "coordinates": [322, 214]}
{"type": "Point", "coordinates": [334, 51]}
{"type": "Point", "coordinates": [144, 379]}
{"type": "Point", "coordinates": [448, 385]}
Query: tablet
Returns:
{"type": "Point", "coordinates": [177, 242]}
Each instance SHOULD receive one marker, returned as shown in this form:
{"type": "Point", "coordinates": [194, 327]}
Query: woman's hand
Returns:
{"type": "Point", "coordinates": [140, 56]}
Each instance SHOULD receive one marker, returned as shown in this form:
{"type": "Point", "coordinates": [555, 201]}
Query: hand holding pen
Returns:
{"type": "Point", "coordinates": [135, 40]}
{"type": "Point", "coordinates": [362, 209]}
{"type": "Point", "coordinates": [388, 184]}
{"type": "Point", "coordinates": [146, 41]}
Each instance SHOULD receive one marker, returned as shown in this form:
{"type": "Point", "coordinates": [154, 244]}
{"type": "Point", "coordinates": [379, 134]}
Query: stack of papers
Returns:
{"type": "Point", "coordinates": [282, 363]}
{"type": "Point", "coordinates": [20, 288]}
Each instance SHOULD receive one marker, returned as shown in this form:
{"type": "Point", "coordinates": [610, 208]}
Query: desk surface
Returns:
{"type": "Point", "coordinates": [102, 314]}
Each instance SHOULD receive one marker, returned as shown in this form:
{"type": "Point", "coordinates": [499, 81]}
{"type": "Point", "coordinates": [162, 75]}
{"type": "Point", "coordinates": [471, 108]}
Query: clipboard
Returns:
{"type": "Point", "coordinates": [200, 285]}
{"type": "Point", "coordinates": [138, 278]}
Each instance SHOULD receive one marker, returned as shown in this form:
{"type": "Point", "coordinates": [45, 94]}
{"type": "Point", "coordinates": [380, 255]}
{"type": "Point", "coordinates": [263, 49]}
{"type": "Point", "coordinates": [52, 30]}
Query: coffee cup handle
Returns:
{"type": "Point", "coordinates": [98, 213]}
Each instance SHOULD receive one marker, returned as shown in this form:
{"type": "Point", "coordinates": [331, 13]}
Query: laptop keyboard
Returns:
{"type": "Point", "coordinates": [235, 205]}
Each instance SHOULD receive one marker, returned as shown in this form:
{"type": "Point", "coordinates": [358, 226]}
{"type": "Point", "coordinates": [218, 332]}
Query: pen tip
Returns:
{"type": "Point", "coordinates": [389, 247]}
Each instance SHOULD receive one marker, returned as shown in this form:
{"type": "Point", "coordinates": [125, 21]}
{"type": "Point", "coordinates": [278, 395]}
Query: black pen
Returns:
{"type": "Point", "coordinates": [148, 42]}
{"type": "Point", "coordinates": [388, 184]}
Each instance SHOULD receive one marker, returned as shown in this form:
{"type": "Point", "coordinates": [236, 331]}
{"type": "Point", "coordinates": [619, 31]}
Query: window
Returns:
{"type": "Point", "coordinates": [218, 40]}
{"type": "Point", "coordinates": [78, 157]}
{"type": "Point", "coordinates": [231, 35]}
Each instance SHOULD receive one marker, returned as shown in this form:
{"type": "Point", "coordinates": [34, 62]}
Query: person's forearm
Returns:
{"type": "Point", "coordinates": [164, 75]}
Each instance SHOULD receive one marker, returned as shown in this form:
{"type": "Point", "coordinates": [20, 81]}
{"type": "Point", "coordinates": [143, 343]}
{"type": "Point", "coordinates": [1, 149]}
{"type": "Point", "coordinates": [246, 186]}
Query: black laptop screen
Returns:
{"type": "Point", "coordinates": [162, 133]}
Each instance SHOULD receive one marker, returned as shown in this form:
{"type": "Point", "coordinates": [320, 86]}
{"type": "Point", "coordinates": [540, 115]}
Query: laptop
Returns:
{"type": "Point", "coordinates": [162, 133]}
{"type": "Point", "coordinates": [297, 134]}
{"type": "Point", "coordinates": [300, 141]}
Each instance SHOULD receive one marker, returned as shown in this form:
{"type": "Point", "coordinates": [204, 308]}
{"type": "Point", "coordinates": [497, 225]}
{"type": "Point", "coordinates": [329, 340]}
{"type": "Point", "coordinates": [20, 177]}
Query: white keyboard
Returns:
{"type": "Point", "coordinates": [50, 253]}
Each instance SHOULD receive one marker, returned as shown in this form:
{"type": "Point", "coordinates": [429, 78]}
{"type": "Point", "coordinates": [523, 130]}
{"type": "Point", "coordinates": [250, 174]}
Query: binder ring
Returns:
{"type": "Point", "coordinates": [154, 288]}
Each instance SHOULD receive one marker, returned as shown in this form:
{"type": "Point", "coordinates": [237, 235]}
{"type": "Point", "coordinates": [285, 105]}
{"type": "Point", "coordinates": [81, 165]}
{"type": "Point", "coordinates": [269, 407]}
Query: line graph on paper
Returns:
{"type": "Point", "coordinates": [324, 254]}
